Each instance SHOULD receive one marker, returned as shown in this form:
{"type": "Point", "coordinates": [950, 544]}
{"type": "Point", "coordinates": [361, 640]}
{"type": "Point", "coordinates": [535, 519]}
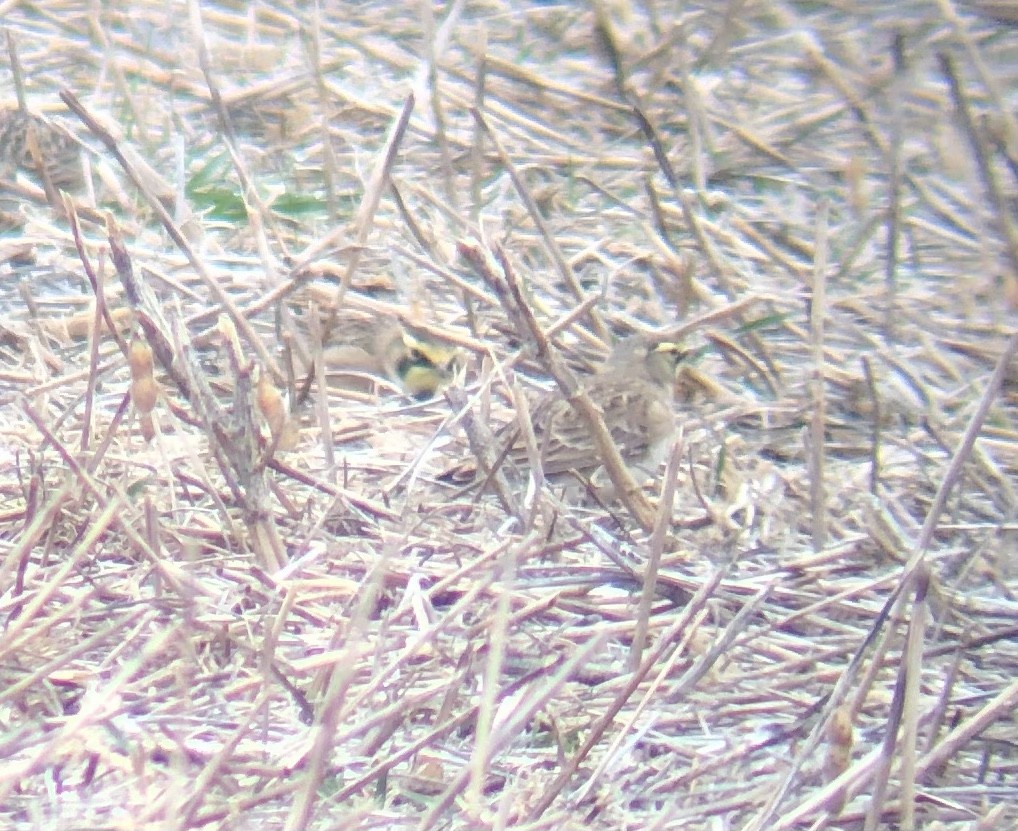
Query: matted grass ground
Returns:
{"type": "Point", "coordinates": [821, 629]}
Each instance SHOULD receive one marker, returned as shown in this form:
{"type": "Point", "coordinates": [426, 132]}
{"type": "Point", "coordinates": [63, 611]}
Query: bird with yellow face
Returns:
{"type": "Point", "coordinates": [418, 364]}
{"type": "Point", "coordinates": [365, 349]}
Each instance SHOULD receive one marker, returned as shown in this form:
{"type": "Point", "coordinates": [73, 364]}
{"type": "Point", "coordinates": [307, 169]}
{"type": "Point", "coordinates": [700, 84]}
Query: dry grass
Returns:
{"type": "Point", "coordinates": [207, 631]}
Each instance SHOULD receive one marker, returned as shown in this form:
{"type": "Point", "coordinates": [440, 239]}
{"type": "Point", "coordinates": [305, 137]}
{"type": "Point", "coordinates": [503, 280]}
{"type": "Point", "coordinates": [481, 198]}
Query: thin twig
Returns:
{"type": "Point", "coordinates": [994, 191]}
{"type": "Point", "coordinates": [551, 246]}
{"type": "Point", "coordinates": [818, 380]}
{"type": "Point", "coordinates": [655, 549]}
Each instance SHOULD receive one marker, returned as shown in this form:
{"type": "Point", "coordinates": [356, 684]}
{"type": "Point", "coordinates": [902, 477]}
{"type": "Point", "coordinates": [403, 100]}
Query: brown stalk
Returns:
{"type": "Point", "coordinates": [234, 436]}
{"type": "Point", "coordinates": [913, 664]}
{"type": "Point", "coordinates": [897, 93]}
{"type": "Point", "coordinates": [552, 247]}
{"type": "Point", "coordinates": [1002, 212]}
{"type": "Point", "coordinates": [497, 635]}
{"type": "Point", "coordinates": [330, 166]}
{"type": "Point", "coordinates": [655, 549]}
{"type": "Point", "coordinates": [259, 216]}
{"type": "Point", "coordinates": [483, 443]}
{"type": "Point", "coordinates": [339, 678]}
{"type": "Point", "coordinates": [818, 392]}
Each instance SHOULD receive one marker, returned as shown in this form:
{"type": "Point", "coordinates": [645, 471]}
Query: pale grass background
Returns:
{"type": "Point", "coordinates": [457, 661]}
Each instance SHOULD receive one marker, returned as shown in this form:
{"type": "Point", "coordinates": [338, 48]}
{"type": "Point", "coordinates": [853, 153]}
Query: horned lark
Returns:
{"type": "Point", "coordinates": [366, 347]}
{"type": "Point", "coordinates": [634, 391]}
{"type": "Point", "coordinates": [419, 365]}
{"type": "Point", "coordinates": [423, 365]}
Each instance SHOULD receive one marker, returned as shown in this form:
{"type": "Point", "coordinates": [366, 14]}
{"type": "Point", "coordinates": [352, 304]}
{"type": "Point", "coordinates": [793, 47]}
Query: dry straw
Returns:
{"type": "Point", "coordinates": [806, 620]}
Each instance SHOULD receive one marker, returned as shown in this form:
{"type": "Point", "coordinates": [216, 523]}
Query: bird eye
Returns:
{"type": "Point", "coordinates": [404, 365]}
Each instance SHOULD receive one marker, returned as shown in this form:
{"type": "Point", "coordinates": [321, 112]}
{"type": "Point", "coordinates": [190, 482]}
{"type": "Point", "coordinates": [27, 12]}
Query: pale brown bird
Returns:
{"type": "Point", "coordinates": [633, 389]}
{"type": "Point", "coordinates": [634, 392]}
{"type": "Point", "coordinates": [28, 140]}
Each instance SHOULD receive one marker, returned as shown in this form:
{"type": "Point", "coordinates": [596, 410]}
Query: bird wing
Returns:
{"type": "Point", "coordinates": [565, 441]}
